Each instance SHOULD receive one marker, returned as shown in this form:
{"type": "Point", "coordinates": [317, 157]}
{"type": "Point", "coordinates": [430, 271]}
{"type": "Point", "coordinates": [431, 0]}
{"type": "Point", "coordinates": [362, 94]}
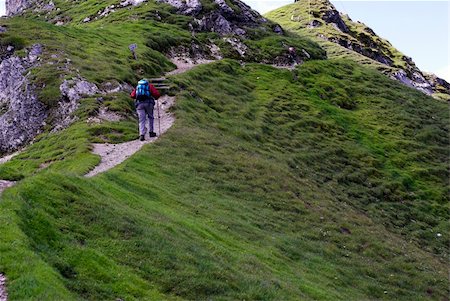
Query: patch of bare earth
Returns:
{"type": "Point", "coordinates": [105, 115]}
{"type": "Point", "coordinates": [3, 294]}
{"type": "Point", "coordinates": [6, 184]}
{"type": "Point", "coordinates": [185, 64]}
{"type": "Point", "coordinates": [114, 154]}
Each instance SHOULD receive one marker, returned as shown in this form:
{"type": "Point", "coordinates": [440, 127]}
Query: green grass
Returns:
{"type": "Point", "coordinates": [296, 18]}
{"type": "Point", "coordinates": [98, 51]}
{"type": "Point", "coordinates": [329, 182]}
{"type": "Point", "coordinates": [323, 184]}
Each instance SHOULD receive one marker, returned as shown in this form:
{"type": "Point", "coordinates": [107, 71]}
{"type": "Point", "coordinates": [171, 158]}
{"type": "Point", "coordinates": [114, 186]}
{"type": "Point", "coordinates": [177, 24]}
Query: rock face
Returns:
{"type": "Point", "coordinates": [14, 7]}
{"type": "Point", "coordinates": [223, 20]}
{"type": "Point", "coordinates": [71, 91]}
{"type": "Point", "coordinates": [332, 16]}
{"type": "Point", "coordinates": [416, 81]}
{"type": "Point", "coordinates": [21, 113]}
{"type": "Point", "coordinates": [187, 7]}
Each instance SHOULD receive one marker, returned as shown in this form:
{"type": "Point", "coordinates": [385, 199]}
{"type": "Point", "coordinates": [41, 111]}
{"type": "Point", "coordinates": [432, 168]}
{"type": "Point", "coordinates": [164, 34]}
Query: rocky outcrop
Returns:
{"type": "Point", "coordinates": [185, 7]}
{"type": "Point", "coordinates": [14, 7]}
{"type": "Point", "coordinates": [71, 92]}
{"type": "Point", "coordinates": [333, 16]}
{"type": "Point", "coordinates": [438, 84]}
{"type": "Point", "coordinates": [416, 81]}
{"type": "Point", "coordinates": [22, 115]}
{"type": "Point", "coordinates": [224, 20]}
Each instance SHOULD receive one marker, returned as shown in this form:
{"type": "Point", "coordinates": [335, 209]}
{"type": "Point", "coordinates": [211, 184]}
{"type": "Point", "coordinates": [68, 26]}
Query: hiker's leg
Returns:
{"type": "Point", "coordinates": [142, 114]}
{"type": "Point", "coordinates": [151, 119]}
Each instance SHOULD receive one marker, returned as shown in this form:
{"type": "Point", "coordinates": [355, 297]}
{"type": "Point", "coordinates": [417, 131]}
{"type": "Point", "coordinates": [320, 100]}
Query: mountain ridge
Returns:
{"type": "Point", "coordinates": [288, 174]}
{"type": "Point", "coordinates": [320, 20]}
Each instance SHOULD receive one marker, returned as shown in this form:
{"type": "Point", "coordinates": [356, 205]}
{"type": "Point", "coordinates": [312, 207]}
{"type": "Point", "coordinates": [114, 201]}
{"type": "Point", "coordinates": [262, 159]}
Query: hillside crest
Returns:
{"type": "Point", "coordinates": [321, 20]}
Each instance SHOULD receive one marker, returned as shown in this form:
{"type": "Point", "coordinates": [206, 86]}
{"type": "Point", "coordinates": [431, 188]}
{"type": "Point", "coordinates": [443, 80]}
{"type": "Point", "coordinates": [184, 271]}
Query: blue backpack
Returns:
{"type": "Point", "coordinates": [143, 90]}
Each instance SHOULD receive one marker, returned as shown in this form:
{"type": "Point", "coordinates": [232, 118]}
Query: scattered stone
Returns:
{"type": "Point", "coordinates": [114, 87]}
{"type": "Point", "coordinates": [105, 115]}
{"type": "Point", "coordinates": [278, 30]}
{"type": "Point", "coordinates": [126, 3]}
{"type": "Point", "coordinates": [345, 230]}
{"type": "Point", "coordinates": [2, 29]}
{"type": "Point", "coordinates": [76, 88]}
{"type": "Point", "coordinates": [237, 45]}
{"type": "Point", "coordinates": [315, 24]}
{"type": "Point", "coordinates": [306, 54]}
{"type": "Point", "coordinates": [34, 53]}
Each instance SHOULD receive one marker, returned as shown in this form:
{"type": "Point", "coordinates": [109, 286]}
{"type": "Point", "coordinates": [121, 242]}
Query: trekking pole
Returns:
{"type": "Point", "coordinates": [159, 118]}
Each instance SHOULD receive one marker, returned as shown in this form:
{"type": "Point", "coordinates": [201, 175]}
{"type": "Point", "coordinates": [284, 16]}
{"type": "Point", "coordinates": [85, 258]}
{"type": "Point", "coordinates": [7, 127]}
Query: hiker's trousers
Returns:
{"type": "Point", "coordinates": [144, 110]}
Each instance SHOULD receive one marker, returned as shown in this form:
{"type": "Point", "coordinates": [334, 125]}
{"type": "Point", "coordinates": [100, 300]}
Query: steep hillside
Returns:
{"type": "Point", "coordinates": [327, 181]}
{"type": "Point", "coordinates": [74, 54]}
{"type": "Point", "coordinates": [343, 38]}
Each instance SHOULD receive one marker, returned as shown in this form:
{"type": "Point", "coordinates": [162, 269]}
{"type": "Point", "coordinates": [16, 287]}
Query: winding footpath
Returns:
{"type": "Point", "coordinates": [114, 154]}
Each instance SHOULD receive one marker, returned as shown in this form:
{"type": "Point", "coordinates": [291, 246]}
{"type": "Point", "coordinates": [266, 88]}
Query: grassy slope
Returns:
{"type": "Point", "coordinates": [327, 187]}
{"type": "Point", "coordinates": [296, 18]}
{"type": "Point", "coordinates": [272, 202]}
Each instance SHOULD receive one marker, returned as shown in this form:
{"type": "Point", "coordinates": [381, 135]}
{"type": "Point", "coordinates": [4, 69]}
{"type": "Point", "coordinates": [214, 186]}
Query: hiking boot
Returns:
{"type": "Point", "coordinates": [152, 134]}
{"type": "Point", "coordinates": [142, 137]}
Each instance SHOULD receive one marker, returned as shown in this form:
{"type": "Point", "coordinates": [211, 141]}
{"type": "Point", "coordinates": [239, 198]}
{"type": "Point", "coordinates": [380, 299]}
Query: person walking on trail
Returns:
{"type": "Point", "coordinates": [145, 95]}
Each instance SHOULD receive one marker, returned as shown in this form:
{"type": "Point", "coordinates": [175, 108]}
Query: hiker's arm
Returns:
{"type": "Point", "coordinates": [155, 92]}
{"type": "Point", "coordinates": [133, 94]}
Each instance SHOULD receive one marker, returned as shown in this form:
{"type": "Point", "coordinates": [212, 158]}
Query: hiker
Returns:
{"type": "Point", "coordinates": [292, 56]}
{"type": "Point", "coordinates": [145, 95]}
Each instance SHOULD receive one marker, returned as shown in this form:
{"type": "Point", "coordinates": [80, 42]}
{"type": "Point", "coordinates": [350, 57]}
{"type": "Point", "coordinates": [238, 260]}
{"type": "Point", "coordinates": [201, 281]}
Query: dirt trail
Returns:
{"type": "Point", "coordinates": [3, 294]}
{"type": "Point", "coordinates": [5, 184]}
{"type": "Point", "coordinates": [8, 158]}
{"type": "Point", "coordinates": [114, 154]}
